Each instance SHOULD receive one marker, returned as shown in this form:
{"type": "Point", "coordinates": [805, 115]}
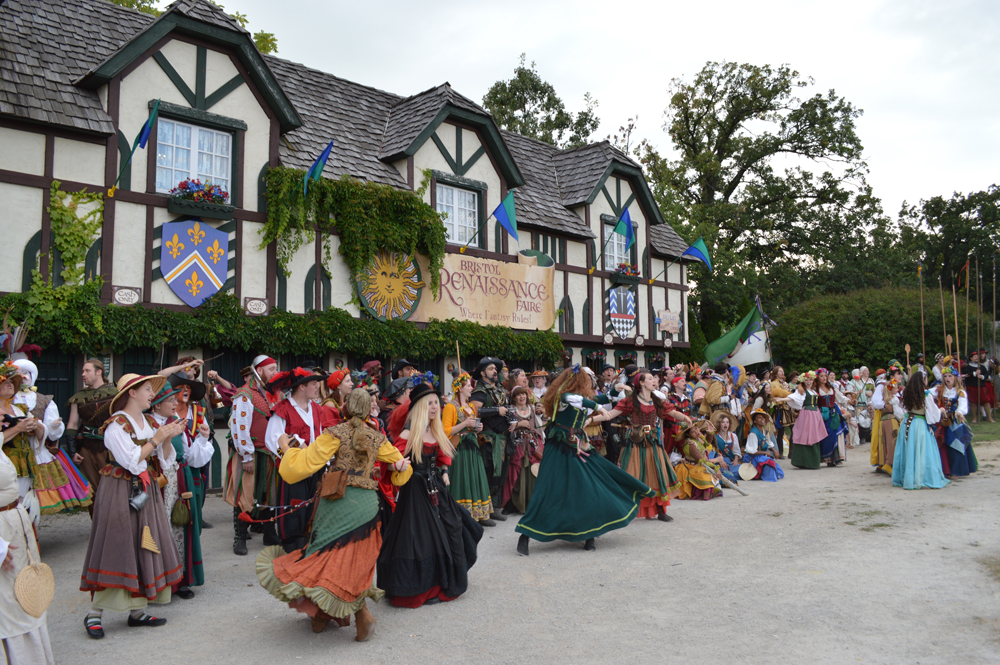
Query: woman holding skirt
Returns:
{"type": "Point", "coordinates": [809, 429]}
{"type": "Point", "coordinates": [528, 443]}
{"type": "Point", "coordinates": [578, 494]}
{"type": "Point", "coordinates": [833, 422]}
{"type": "Point", "coordinates": [332, 577]}
{"type": "Point", "coordinates": [953, 436]}
{"type": "Point", "coordinates": [431, 541]}
{"type": "Point", "coordinates": [916, 462]}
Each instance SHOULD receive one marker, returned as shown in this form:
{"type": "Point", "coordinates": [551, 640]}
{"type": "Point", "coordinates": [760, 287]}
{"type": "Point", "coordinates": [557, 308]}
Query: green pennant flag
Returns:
{"type": "Point", "coordinates": [724, 346]}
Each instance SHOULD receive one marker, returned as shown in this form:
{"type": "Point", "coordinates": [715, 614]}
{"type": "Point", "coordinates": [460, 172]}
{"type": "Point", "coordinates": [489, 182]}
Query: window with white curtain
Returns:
{"type": "Point", "coordinates": [185, 152]}
{"type": "Point", "coordinates": [614, 252]}
{"type": "Point", "coordinates": [461, 212]}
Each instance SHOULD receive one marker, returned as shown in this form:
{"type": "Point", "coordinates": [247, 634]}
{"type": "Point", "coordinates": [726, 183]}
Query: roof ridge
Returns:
{"type": "Point", "coordinates": [422, 93]}
{"type": "Point", "coordinates": [114, 6]}
{"type": "Point", "coordinates": [530, 138]}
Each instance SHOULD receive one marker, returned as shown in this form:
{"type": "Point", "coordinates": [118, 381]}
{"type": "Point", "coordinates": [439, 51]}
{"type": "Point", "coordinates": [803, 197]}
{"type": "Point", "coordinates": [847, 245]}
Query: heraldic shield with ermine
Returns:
{"type": "Point", "coordinates": [194, 259]}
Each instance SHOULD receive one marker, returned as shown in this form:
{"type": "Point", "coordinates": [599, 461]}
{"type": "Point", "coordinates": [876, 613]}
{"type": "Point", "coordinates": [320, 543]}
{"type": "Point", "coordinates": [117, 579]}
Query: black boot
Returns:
{"type": "Point", "coordinates": [663, 517]}
{"type": "Point", "coordinates": [522, 545]}
{"type": "Point", "coordinates": [590, 545]}
{"type": "Point", "coordinates": [240, 541]}
{"type": "Point", "coordinates": [271, 535]}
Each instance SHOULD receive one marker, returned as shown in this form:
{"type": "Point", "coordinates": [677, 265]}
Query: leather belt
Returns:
{"type": "Point", "coordinates": [11, 506]}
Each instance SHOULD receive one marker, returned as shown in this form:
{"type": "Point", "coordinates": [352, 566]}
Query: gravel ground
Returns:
{"type": "Point", "coordinates": [826, 566]}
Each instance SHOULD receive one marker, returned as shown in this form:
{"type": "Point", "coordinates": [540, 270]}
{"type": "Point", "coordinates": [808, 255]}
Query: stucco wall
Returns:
{"type": "Point", "coordinates": [128, 268]}
{"type": "Point", "coordinates": [254, 262]}
{"type": "Point", "coordinates": [23, 152]}
{"type": "Point", "coordinates": [78, 161]}
{"type": "Point", "coordinates": [341, 283]}
{"type": "Point", "coordinates": [20, 219]}
{"type": "Point", "coordinates": [242, 104]}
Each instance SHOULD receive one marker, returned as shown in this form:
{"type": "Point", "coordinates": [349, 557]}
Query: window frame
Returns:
{"type": "Point", "coordinates": [480, 189]}
{"type": "Point", "coordinates": [194, 150]}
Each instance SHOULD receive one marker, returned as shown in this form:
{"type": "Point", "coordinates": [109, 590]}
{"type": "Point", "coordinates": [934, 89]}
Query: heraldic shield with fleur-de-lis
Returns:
{"type": "Point", "coordinates": [194, 259]}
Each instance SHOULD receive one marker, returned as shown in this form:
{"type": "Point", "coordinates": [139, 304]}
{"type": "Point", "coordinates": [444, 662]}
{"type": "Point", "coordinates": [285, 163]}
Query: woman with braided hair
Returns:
{"type": "Point", "coordinates": [578, 494]}
{"type": "Point", "coordinates": [332, 577]}
{"type": "Point", "coordinates": [916, 462]}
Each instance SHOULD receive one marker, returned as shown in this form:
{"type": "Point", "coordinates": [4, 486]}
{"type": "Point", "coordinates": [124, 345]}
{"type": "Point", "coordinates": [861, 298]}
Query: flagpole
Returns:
{"type": "Point", "coordinates": [966, 307]}
{"type": "Point", "coordinates": [954, 306]}
{"type": "Point", "coordinates": [944, 325]}
{"type": "Point", "coordinates": [979, 307]}
{"type": "Point", "coordinates": [593, 267]}
{"type": "Point", "coordinates": [665, 269]}
{"type": "Point", "coordinates": [461, 250]}
{"type": "Point", "coordinates": [923, 337]}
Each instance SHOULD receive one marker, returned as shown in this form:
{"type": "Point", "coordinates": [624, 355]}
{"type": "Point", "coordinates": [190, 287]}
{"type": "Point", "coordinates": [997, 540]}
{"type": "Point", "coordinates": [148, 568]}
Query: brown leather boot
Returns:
{"type": "Point", "coordinates": [365, 622]}
{"type": "Point", "coordinates": [319, 622]}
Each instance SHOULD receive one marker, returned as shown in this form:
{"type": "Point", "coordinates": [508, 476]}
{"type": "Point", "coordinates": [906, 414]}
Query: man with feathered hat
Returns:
{"type": "Point", "coordinates": [250, 475]}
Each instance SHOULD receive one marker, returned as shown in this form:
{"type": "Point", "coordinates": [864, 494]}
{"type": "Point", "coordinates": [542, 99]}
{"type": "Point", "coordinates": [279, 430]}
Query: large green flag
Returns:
{"type": "Point", "coordinates": [732, 340]}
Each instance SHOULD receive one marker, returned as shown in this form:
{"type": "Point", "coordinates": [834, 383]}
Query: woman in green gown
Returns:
{"type": "Point", "coordinates": [578, 494]}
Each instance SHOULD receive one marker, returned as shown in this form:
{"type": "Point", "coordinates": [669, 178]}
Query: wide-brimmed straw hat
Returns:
{"type": "Point", "coordinates": [131, 382]}
{"type": "Point", "coordinates": [747, 471]}
{"type": "Point", "coordinates": [759, 412]}
{"type": "Point", "coordinates": [722, 413]}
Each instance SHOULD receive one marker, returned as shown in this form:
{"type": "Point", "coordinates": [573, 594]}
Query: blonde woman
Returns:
{"type": "Point", "coordinates": [431, 540]}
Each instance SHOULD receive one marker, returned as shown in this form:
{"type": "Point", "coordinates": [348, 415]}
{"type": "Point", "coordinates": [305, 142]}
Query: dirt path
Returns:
{"type": "Point", "coordinates": [826, 566]}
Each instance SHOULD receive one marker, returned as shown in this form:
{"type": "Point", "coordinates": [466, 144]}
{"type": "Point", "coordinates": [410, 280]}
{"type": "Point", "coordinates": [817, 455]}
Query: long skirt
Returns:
{"type": "Point", "coordinates": [579, 497]}
{"type": "Point", "coordinates": [430, 545]}
{"type": "Point", "coordinates": [120, 568]}
{"type": "Point", "coordinates": [916, 463]}
{"type": "Point", "coordinates": [696, 482]}
{"type": "Point", "coordinates": [958, 450]}
{"type": "Point", "coordinates": [834, 426]}
{"type": "Point", "coordinates": [520, 482]}
{"type": "Point", "coordinates": [469, 485]}
{"type": "Point", "coordinates": [647, 461]}
{"type": "Point", "coordinates": [809, 428]}
{"type": "Point", "coordinates": [767, 468]}
{"type": "Point", "coordinates": [60, 487]}
{"type": "Point", "coordinates": [25, 639]}
{"type": "Point", "coordinates": [884, 429]}
{"type": "Point", "coordinates": [334, 574]}
{"type": "Point", "coordinates": [188, 537]}
{"type": "Point", "coordinates": [95, 458]}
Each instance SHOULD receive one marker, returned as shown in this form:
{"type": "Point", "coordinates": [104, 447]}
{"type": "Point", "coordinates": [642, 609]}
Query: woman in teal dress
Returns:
{"type": "Point", "coordinates": [916, 462]}
{"type": "Point", "coordinates": [578, 495]}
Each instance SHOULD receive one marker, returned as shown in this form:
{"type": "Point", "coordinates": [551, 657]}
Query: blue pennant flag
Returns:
{"type": "Point", "coordinates": [698, 250]}
{"type": "Point", "coordinates": [506, 216]}
{"type": "Point", "coordinates": [624, 227]}
{"type": "Point", "coordinates": [315, 171]}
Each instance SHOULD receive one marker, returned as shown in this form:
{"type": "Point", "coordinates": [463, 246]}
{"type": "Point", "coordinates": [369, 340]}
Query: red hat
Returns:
{"type": "Point", "coordinates": [879, 372]}
{"type": "Point", "coordinates": [676, 379]}
{"type": "Point", "coordinates": [336, 378]}
{"type": "Point", "coordinates": [263, 361]}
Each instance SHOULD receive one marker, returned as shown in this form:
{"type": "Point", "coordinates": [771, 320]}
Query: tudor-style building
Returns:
{"type": "Point", "coordinates": [78, 79]}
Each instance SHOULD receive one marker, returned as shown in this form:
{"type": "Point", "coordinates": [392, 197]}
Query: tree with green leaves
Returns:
{"type": "Point", "coordinates": [529, 106]}
{"type": "Point", "coordinates": [775, 184]}
{"type": "Point", "coordinates": [266, 42]}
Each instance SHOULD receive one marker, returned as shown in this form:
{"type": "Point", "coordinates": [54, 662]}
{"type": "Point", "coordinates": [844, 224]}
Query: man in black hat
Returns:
{"type": "Point", "coordinates": [395, 396]}
{"type": "Point", "coordinates": [296, 421]}
{"type": "Point", "coordinates": [192, 408]}
{"type": "Point", "coordinates": [403, 368]}
{"type": "Point", "coordinates": [492, 402]}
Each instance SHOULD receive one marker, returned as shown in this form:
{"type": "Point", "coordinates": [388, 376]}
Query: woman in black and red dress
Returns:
{"type": "Point", "coordinates": [431, 541]}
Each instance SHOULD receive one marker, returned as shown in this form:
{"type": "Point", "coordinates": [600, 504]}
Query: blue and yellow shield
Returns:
{"type": "Point", "coordinates": [194, 259]}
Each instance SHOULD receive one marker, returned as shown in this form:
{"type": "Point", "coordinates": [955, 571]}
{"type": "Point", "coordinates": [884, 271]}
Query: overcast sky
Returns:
{"type": "Point", "coordinates": [926, 74]}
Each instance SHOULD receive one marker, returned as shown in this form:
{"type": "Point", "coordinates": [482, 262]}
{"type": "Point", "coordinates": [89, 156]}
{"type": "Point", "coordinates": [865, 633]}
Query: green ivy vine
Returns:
{"type": "Point", "coordinates": [369, 218]}
{"type": "Point", "coordinates": [84, 325]}
{"type": "Point", "coordinates": [75, 219]}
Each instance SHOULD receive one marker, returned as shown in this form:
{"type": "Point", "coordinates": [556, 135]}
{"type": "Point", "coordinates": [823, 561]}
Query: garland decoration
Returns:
{"type": "Point", "coordinates": [84, 325]}
{"type": "Point", "coordinates": [369, 218]}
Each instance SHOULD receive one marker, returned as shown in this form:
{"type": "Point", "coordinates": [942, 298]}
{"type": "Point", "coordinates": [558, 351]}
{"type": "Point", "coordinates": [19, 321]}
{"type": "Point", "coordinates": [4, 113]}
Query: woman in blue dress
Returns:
{"type": "Point", "coordinates": [832, 419]}
{"type": "Point", "coordinates": [953, 436]}
{"type": "Point", "coordinates": [759, 448]}
{"type": "Point", "coordinates": [916, 463]}
{"type": "Point", "coordinates": [578, 494]}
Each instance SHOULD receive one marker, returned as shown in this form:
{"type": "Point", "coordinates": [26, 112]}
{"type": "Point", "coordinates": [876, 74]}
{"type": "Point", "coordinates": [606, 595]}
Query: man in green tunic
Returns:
{"type": "Point", "coordinates": [492, 402]}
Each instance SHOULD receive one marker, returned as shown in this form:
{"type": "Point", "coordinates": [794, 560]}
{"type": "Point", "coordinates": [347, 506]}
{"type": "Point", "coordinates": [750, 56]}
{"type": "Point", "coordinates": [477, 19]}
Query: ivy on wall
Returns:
{"type": "Point", "coordinates": [75, 218]}
{"type": "Point", "coordinates": [86, 326]}
{"type": "Point", "coordinates": [369, 217]}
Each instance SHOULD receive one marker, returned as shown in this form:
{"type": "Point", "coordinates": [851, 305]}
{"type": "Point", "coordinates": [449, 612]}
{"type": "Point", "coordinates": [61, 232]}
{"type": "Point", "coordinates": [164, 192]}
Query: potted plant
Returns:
{"type": "Point", "coordinates": [626, 273]}
{"type": "Point", "coordinates": [192, 197]}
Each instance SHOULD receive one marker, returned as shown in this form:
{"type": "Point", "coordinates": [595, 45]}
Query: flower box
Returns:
{"type": "Point", "coordinates": [179, 206]}
{"type": "Point", "coordinates": [619, 278]}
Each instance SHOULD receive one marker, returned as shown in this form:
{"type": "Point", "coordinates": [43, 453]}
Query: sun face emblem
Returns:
{"type": "Point", "coordinates": [390, 286]}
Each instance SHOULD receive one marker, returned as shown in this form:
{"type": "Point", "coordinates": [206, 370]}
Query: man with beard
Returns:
{"type": "Point", "coordinates": [491, 402]}
{"type": "Point", "coordinates": [84, 443]}
{"type": "Point", "coordinates": [250, 476]}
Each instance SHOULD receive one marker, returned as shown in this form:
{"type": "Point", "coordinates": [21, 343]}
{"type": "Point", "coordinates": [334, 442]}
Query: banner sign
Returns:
{"type": "Point", "coordinates": [518, 295]}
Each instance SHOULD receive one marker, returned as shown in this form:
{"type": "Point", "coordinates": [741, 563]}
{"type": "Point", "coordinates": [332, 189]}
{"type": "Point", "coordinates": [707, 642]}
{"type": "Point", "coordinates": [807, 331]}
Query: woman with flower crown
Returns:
{"type": "Point", "coordinates": [916, 462]}
{"type": "Point", "coordinates": [578, 494]}
{"type": "Point", "coordinates": [953, 436]}
{"type": "Point", "coordinates": [833, 421]}
{"type": "Point", "coordinates": [469, 485]}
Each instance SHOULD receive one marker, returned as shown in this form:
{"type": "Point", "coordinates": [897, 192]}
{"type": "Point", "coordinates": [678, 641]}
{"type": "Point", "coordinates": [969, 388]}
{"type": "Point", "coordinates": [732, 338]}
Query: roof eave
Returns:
{"type": "Point", "coordinates": [643, 194]}
{"type": "Point", "coordinates": [494, 142]}
{"type": "Point", "coordinates": [260, 74]}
